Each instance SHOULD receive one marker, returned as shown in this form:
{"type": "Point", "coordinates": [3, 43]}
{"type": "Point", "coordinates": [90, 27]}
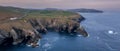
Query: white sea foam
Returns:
{"type": "Point", "coordinates": [79, 35]}
{"type": "Point", "coordinates": [47, 45]}
{"type": "Point", "coordinates": [38, 42]}
{"type": "Point", "coordinates": [28, 45]}
{"type": "Point", "coordinates": [110, 31]}
{"type": "Point", "coordinates": [88, 35]}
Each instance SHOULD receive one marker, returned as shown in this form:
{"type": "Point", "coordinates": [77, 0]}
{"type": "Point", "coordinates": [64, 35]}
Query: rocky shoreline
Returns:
{"type": "Point", "coordinates": [28, 30]}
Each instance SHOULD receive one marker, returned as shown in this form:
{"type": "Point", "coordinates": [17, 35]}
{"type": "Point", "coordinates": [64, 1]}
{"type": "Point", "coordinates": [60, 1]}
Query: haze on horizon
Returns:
{"type": "Point", "coordinates": [64, 4]}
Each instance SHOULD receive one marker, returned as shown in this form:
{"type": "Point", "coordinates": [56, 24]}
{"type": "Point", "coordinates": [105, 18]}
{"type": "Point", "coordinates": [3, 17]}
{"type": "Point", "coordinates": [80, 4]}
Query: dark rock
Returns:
{"type": "Point", "coordinates": [17, 36]}
{"type": "Point", "coordinates": [82, 31]}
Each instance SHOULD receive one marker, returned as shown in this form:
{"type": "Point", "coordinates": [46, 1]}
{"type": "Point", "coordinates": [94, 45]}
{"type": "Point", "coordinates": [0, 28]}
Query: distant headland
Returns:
{"type": "Point", "coordinates": [83, 10]}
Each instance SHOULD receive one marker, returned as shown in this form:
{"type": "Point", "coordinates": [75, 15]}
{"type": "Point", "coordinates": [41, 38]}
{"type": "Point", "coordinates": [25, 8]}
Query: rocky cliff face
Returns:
{"type": "Point", "coordinates": [28, 29]}
{"type": "Point", "coordinates": [18, 36]}
{"type": "Point", "coordinates": [44, 25]}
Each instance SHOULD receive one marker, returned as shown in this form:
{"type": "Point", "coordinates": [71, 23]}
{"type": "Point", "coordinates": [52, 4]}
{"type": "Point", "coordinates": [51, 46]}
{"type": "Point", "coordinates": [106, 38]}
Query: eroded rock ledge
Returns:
{"type": "Point", "coordinates": [26, 27]}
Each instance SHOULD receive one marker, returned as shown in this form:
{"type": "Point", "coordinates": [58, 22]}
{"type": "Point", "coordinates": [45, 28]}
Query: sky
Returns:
{"type": "Point", "coordinates": [64, 4]}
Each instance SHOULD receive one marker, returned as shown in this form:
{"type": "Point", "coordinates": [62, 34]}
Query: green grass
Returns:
{"type": "Point", "coordinates": [32, 13]}
{"type": "Point", "coordinates": [47, 15]}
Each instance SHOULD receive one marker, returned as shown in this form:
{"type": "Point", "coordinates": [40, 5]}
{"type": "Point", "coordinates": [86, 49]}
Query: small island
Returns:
{"type": "Point", "coordinates": [25, 26]}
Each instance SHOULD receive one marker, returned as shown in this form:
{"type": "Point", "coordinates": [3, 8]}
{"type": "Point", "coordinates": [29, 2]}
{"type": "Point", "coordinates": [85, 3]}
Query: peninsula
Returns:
{"type": "Point", "coordinates": [25, 26]}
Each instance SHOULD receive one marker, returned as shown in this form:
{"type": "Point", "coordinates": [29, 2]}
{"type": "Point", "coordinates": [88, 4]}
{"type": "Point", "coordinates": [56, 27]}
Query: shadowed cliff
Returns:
{"type": "Point", "coordinates": [25, 26]}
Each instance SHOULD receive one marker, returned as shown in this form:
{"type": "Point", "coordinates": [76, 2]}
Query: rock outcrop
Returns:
{"type": "Point", "coordinates": [28, 29]}
{"type": "Point", "coordinates": [19, 36]}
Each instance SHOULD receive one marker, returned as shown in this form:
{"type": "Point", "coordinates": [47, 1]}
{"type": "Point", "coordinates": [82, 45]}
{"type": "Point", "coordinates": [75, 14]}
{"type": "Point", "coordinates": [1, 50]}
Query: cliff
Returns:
{"type": "Point", "coordinates": [25, 26]}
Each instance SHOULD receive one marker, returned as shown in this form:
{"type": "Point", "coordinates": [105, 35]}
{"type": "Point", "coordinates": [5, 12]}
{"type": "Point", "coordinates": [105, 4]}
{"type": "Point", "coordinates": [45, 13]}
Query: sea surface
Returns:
{"type": "Point", "coordinates": [104, 35]}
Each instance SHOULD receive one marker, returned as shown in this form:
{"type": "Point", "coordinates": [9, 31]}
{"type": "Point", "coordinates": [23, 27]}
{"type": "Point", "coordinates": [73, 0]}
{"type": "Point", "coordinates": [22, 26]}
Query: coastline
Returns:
{"type": "Point", "coordinates": [29, 28]}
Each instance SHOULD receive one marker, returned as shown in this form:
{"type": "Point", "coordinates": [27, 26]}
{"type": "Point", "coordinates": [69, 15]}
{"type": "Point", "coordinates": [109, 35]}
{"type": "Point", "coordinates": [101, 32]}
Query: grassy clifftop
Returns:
{"type": "Point", "coordinates": [23, 15]}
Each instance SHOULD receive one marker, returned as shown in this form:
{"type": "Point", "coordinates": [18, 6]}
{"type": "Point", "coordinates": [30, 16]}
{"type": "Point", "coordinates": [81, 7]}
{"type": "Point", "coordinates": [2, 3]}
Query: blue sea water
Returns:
{"type": "Point", "coordinates": [104, 35]}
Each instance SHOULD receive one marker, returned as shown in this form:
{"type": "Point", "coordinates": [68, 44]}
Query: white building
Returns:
{"type": "Point", "coordinates": [14, 18]}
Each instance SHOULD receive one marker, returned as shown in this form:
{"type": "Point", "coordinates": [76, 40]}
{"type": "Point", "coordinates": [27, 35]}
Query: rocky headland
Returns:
{"type": "Point", "coordinates": [84, 10]}
{"type": "Point", "coordinates": [25, 26]}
